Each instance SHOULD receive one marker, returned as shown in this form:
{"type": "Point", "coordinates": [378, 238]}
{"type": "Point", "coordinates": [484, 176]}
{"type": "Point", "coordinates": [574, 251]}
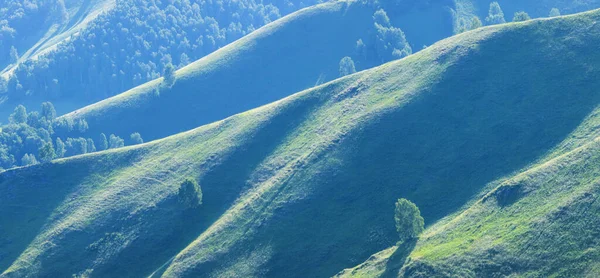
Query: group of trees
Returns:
{"type": "Point", "coordinates": [34, 137]}
{"type": "Point", "coordinates": [138, 41]}
{"type": "Point", "coordinates": [496, 16]}
{"type": "Point", "coordinates": [385, 43]}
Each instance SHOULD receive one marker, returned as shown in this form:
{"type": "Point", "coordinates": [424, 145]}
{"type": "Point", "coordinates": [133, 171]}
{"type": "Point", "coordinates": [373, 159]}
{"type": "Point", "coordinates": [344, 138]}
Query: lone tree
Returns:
{"type": "Point", "coordinates": [190, 193]}
{"type": "Point", "coordinates": [409, 222]}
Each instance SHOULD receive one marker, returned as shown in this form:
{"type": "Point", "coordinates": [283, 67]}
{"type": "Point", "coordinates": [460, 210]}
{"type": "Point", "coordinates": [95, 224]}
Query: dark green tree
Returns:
{"type": "Point", "coordinates": [190, 193]}
{"type": "Point", "coordinates": [46, 152]}
{"type": "Point", "coordinates": [409, 223]}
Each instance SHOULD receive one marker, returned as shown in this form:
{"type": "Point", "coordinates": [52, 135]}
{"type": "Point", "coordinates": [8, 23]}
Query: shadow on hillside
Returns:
{"type": "Point", "coordinates": [223, 184]}
{"type": "Point", "coordinates": [396, 261]}
{"type": "Point", "coordinates": [492, 113]}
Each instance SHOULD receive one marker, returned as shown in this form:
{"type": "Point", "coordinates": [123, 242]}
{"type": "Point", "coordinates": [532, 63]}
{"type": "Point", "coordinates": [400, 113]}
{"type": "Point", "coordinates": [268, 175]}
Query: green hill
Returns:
{"type": "Point", "coordinates": [294, 53]}
{"type": "Point", "coordinates": [305, 186]}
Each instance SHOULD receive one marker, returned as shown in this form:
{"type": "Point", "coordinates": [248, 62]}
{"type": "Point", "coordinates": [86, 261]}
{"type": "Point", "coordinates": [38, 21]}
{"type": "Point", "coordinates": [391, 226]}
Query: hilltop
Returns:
{"type": "Point", "coordinates": [305, 186]}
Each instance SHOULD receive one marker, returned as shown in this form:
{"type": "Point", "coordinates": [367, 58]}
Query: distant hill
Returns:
{"type": "Point", "coordinates": [297, 52]}
{"type": "Point", "coordinates": [96, 57]}
{"type": "Point", "coordinates": [491, 133]}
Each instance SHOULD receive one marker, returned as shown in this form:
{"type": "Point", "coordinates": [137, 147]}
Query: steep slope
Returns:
{"type": "Point", "coordinates": [305, 186]}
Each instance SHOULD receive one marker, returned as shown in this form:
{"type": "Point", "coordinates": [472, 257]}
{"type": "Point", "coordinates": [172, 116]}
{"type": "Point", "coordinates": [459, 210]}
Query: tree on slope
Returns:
{"type": "Point", "coordinates": [347, 66]}
{"type": "Point", "coordinates": [190, 193]}
{"type": "Point", "coordinates": [554, 12]}
{"type": "Point", "coordinates": [495, 14]}
{"type": "Point", "coordinates": [521, 16]}
{"type": "Point", "coordinates": [409, 223]}
{"type": "Point", "coordinates": [46, 152]}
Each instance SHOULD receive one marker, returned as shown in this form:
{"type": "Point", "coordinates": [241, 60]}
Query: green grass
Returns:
{"type": "Point", "coordinates": [305, 186]}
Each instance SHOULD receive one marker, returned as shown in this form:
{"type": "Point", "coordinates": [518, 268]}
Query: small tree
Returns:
{"type": "Point", "coordinates": [103, 142]}
{"type": "Point", "coordinates": [347, 66]}
{"type": "Point", "coordinates": [136, 138]}
{"type": "Point", "coordinates": [495, 14]}
{"type": "Point", "coordinates": [521, 16]}
{"type": "Point", "coordinates": [475, 23]}
{"type": "Point", "coordinates": [554, 12]}
{"type": "Point", "coordinates": [409, 223]}
{"type": "Point", "coordinates": [169, 75]}
{"type": "Point", "coordinates": [46, 152]}
{"type": "Point", "coordinates": [190, 193]}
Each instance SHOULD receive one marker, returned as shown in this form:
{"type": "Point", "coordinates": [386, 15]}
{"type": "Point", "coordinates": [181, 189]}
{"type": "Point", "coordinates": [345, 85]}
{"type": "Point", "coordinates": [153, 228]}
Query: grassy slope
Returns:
{"type": "Point", "coordinates": [539, 222]}
{"type": "Point", "coordinates": [305, 186]}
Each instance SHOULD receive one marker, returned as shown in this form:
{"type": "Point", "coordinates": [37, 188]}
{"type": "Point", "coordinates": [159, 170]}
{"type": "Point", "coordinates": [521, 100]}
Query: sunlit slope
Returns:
{"type": "Point", "coordinates": [305, 187]}
{"type": "Point", "coordinates": [541, 222]}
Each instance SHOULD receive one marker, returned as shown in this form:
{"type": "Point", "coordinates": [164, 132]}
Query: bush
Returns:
{"type": "Point", "coordinates": [409, 223]}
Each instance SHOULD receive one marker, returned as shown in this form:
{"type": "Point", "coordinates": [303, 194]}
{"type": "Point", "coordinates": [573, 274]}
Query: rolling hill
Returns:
{"type": "Point", "coordinates": [491, 133]}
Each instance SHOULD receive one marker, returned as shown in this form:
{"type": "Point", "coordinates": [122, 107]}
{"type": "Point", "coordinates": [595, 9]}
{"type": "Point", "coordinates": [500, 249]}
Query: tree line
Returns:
{"type": "Point", "coordinates": [35, 137]}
